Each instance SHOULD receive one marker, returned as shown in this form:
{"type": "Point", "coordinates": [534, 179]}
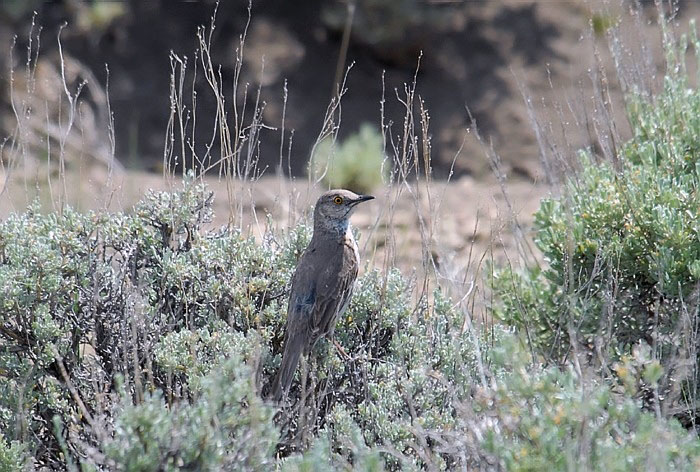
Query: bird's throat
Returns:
{"type": "Point", "coordinates": [337, 229]}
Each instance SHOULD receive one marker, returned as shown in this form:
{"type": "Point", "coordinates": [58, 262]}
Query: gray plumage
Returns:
{"type": "Point", "coordinates": [322, 283]}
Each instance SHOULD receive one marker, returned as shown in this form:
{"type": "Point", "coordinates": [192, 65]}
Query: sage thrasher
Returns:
{"type": "Point", "coordinates": [322, 283]}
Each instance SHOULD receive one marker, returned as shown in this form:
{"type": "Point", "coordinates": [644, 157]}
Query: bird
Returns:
{"type": "Point", "coordinates": [322, 283]}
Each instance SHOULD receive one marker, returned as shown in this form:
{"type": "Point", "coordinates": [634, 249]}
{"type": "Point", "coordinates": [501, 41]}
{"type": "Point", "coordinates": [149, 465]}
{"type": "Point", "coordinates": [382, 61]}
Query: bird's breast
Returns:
{"type": "Point", "coordinates": [349, 241]}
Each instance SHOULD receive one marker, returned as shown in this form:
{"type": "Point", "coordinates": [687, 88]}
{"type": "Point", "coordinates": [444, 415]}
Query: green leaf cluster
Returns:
{"type": "Point", "coordinates": [622, 246]}
{"type": "Point", "coordinates": [357, 163]}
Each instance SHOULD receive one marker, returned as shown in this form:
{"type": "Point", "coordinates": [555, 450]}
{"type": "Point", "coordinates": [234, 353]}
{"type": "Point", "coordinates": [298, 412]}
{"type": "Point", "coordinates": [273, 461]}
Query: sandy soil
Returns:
{"type": "Point", "coordinates": [460, 222]}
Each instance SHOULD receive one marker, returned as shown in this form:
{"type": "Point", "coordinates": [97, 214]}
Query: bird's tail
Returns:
{"type": "Point", "coordinates": [290, 359]}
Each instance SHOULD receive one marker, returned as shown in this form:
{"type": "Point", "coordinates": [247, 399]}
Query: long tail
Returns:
{"type": "Point", "coordinates": [290, 359]}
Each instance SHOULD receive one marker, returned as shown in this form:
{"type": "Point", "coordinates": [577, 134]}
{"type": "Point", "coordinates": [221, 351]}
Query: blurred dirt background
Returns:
{"type": "Point", "coordinates": [502, 65]}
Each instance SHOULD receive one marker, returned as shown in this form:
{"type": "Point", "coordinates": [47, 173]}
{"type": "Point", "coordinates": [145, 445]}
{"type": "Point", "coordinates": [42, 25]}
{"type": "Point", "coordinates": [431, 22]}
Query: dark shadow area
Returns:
{"type": "Point", "coordinates": [532, 38]}
{"type": "Point", "coordinates": [464, 64]}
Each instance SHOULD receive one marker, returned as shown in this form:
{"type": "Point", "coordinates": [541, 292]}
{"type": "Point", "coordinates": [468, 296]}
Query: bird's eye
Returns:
{"type": "Point", "coordinates": [338, 200]}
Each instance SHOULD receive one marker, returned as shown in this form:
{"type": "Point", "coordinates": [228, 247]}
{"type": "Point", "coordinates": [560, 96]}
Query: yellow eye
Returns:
{"type": "Point", "coordinates": [338, 200]}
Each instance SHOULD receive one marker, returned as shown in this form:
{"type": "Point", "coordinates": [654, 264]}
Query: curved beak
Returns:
{"type": "Point", "coordinates": [362, 198]}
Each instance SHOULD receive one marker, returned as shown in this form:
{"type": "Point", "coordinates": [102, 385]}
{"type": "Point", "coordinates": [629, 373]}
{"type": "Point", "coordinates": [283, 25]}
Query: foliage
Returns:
{"type": "Point", "coordinates": [139, 342]}
{"type": "Point", "coordinates": [356, 164]}
{"type": "Point", "coordinates": [557, 419]}
{"type": "Point", "coordinates": [12, 456]}
{"type": "Point", "coordinates": [622, 246]}
{"type": "Point", "coordinates": [225, 427]}
{"type": "Point", "coordinates": [90, 299]}
{"type": "Point", "coordinates": [601, 23]}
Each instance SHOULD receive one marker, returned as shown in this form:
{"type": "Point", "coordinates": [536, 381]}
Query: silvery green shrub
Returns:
{"type": "Point", "coordinates": [226, 426]}
{"type": "Point", "coordinates": [139, 341]}
{"type": "Point", "coordinates": [542, 417]}
{"type": "Point", "coordinates": [145, 300]}
{"type": "Point", "coordinates": [12, 456]}
{"type": "Point", "coordinates": [622, 249]}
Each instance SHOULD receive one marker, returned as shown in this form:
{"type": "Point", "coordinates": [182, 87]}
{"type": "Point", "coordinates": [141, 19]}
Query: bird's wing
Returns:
{"type": "Point", "coordinates": [321, 289]}
{"type": "Point", "coordinates": [334, 289]}
{"type": "Point", "coordinates": [297, 334]}
{"type": "Point", "coordinates": [301, 302]}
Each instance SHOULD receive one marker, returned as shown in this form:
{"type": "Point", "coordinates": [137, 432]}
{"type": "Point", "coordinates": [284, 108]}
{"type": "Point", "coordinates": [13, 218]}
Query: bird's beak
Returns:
{"type": "Point", "coordinates": [362, 198]}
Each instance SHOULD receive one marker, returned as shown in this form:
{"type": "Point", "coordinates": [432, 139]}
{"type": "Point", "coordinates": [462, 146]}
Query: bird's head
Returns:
{"type": "Point", "coordinates": [333, 209]}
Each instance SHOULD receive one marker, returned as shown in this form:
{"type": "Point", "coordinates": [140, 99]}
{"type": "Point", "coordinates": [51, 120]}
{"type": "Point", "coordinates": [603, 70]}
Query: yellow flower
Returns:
{"type": "Point", "coordinates": [622, 371]}
{"type": "Point", "coordinates": [533, 432]}
{"type": "Point", "coordinates": [559, 415]}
